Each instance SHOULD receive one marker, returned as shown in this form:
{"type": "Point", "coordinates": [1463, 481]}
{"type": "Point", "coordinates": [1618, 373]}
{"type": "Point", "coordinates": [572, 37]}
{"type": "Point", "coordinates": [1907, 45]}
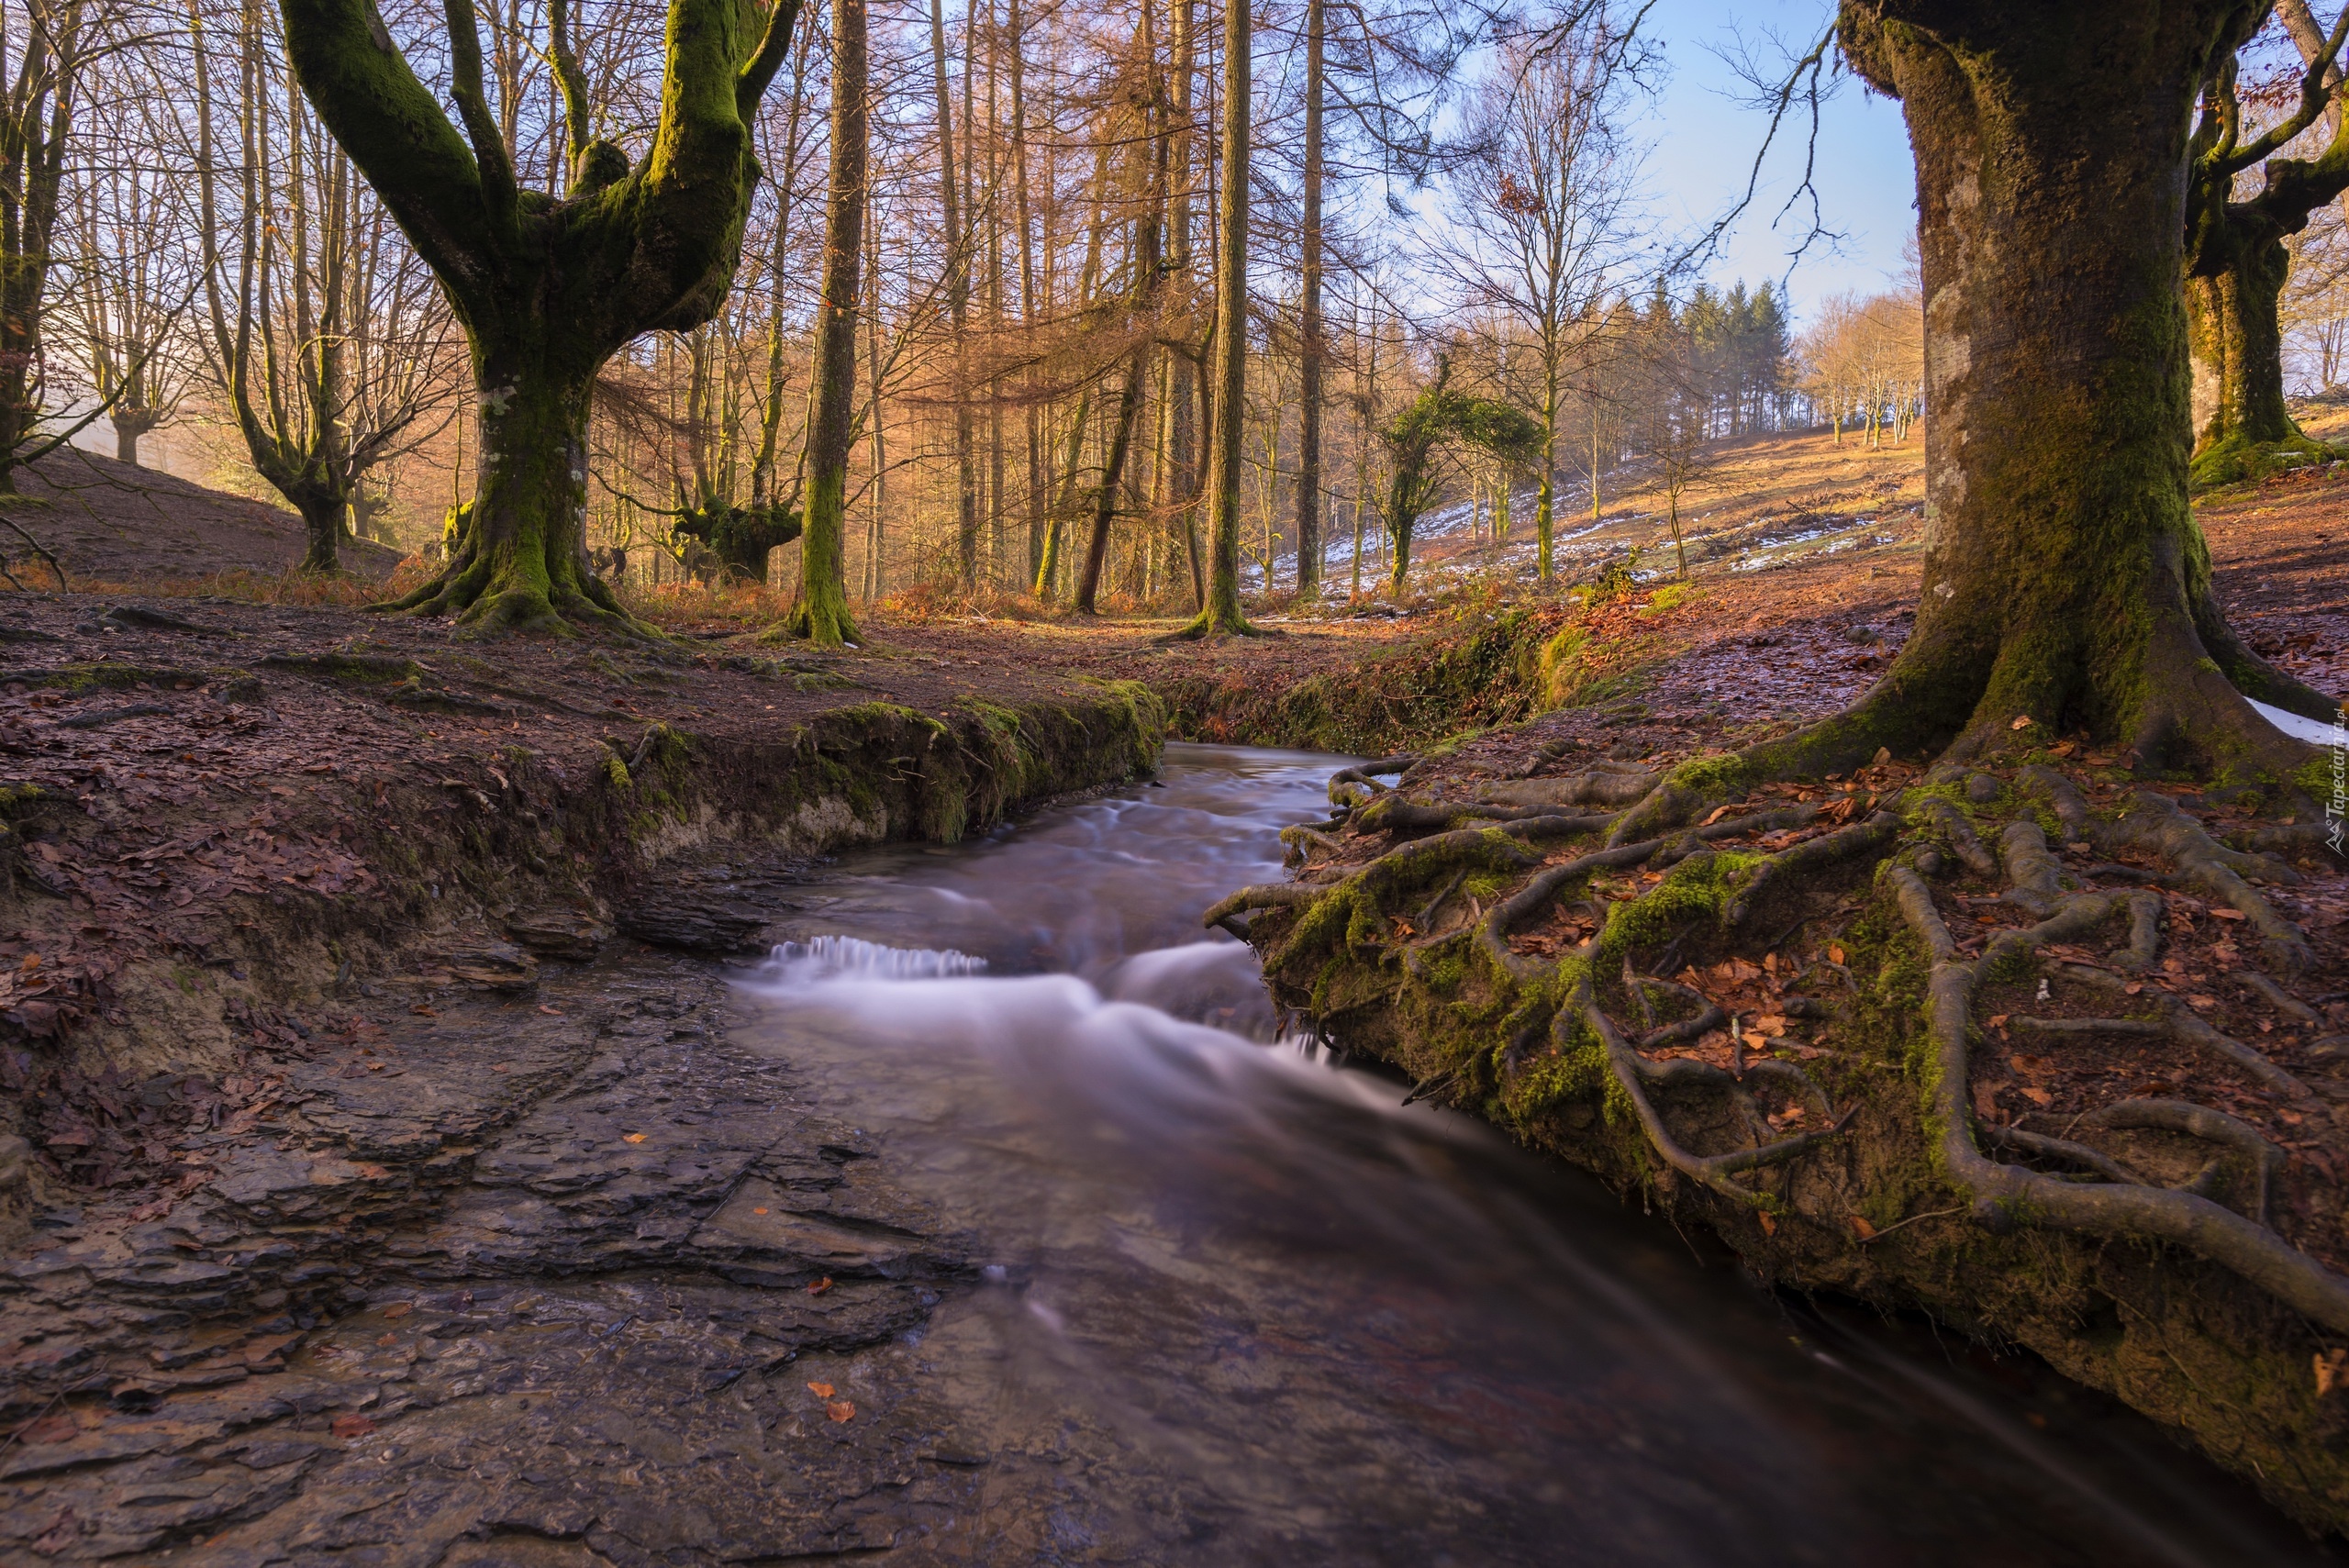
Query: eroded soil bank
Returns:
{"type": "Point", "coordinates": [296, 907]}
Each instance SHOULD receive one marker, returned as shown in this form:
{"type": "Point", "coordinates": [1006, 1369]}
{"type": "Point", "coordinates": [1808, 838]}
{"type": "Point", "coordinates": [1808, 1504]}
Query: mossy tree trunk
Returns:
{"type": "Point", "coordinates": [2058, 579]}
{"type": "Point", "coordinates": [547, 288]}
{"type": "Point", "coordinates": [822, 613]}
{"type": "Point", "coordinates": [2238, 349]}
{"type": "Point", "coordinates": [2236, 266]}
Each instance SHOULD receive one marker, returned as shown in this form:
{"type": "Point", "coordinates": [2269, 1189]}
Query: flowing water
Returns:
{"type": "Point", "coordinates": [1243, 1307]}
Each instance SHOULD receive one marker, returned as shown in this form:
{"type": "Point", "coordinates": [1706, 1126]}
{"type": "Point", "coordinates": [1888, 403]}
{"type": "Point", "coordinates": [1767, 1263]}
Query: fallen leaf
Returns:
{"type": "Point", "coordinates": [2226, 914]}
{"type": "Point", "coordinates": [1861, 1228]}
{"type": "Point", "coordinates": [1769, 1222]}
{"type": "Point", "coordinates": [1834, 953]}
{"type": "Point", "coordinates": [1998, 1021]}
{"type": "Point", "coordinates": [841, 1410]}
{"type": "Point", "coordinates": [421, 1011]}
{"type": "Point", "coordinates": [2029, 1064]}
{"type": "Point", "coordinates": [820, 1390]}
{"type": "Point", "coordinates": [2199, 1001]}
{"type": "Point", "coordinates": [399, 1309]}
{"type": "Point", "coordinates": [1719, 812]}
{"type": "Point", "coordinates": [2061, 748]}
{"type": "Point", "coordinates": [352, 1426]}
{"type": "Point", "coordinates": [2037, 1097]}
{"type": "Point", "coordinates": [2022, 721]}
{"type": "Point", "coordinates": [551, 1012]}
{"type": "Point", "coordinates": [821, 1287]}
{"type": "Point", "coordinates": [382, 1340]}
{"type": "Point", "coordinates": [758, 1211]}
{"type": "Point", "coordinates": [633, 1138]}
{"type": "Point", "coordinates": [2331, 1371]}
{"type": "Point", "coordinates": [2133, 988]}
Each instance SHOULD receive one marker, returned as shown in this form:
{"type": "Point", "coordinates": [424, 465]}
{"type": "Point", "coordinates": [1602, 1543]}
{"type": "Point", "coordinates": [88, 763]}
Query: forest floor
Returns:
{"type": "Point", "coordinates": [201, 739]}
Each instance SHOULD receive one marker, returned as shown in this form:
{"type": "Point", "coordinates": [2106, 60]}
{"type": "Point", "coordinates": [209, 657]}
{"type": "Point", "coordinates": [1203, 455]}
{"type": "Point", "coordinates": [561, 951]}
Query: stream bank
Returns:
{"type": "Point", "coordinates": [1776, 1062]}
{"type": "Point", "coordinates": [989, 1222]}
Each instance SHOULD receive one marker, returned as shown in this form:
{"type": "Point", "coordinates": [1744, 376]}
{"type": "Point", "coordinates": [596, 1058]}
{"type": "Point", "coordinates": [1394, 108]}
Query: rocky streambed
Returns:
{"type": "Point", "coordinates": [989, 1219]}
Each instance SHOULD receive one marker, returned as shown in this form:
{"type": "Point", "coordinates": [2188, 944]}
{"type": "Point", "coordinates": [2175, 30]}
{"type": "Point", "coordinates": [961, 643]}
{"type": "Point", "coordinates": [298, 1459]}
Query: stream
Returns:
{"type": "Point", "coordinates": [1240, 1305]}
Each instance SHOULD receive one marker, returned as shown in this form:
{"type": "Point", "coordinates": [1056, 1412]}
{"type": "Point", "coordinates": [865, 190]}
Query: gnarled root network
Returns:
{"type": "Point", "coordinates": [2006, 1196]}
{"type": "Point", "coordinates": [2087, 1177]}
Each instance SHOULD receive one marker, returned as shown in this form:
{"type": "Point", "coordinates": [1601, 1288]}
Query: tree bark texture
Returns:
{"type": "Point", "coordinates": [2062, 564]}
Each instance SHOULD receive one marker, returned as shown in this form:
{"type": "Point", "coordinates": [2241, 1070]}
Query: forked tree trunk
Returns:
{"type": "Point", "coordinates": [2058, 586]}
{"type": "Point", "coordinates": [547, 290]}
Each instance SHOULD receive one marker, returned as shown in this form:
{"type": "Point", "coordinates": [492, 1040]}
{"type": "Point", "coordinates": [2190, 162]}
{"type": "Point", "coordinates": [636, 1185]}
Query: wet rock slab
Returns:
{"type": "Point", "coordinates": [538, 1281]}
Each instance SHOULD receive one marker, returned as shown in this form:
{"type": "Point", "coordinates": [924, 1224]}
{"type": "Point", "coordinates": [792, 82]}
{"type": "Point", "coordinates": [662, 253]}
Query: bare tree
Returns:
{"type": "Point", "coordinates": [1545, 208]}
{"type": "Point", "coordinates": [326, 337]}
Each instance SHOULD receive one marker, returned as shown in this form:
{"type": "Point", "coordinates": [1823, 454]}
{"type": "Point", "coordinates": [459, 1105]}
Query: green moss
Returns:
{"type": "Point", "coordinates": [1726, 774]}
{"type": "Point", "coordinates": [363, 669]}
{"type": "Point", "coordinates": [1670, 597]}
{"type": "Point", "coordinates": [79, 679]}
{"type": "Point", "coordinates": [616, 774]}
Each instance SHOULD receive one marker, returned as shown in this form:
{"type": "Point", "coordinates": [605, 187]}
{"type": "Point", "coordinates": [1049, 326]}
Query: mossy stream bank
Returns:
{"type": "Point", "coordinates": [1432, 955]}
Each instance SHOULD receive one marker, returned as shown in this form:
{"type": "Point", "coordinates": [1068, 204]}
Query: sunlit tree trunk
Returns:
{"type": "Point", "coordinates": [1311, 349]}
{"type": "Point", "coordinates": [822, 613]}
{"type": "Point", "coordinates": [547, 290]}
{"type": "Point", "coordinates": [956, 239]}
{"type": "Point", "coordinates": [1228, 416]}
{"type": "Point", "coordinates": [2060, 558]}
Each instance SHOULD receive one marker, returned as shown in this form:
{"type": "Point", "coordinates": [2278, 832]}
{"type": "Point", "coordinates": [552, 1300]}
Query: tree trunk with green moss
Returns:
{"type": "Point", "coordinates": [2236, 266]}
{"type": "Point", "coordinates": [547, 288]}
{"type": "Point", "coordinates": [2060, 558]}
{"type": "Point", "coordinates": [822, 614]}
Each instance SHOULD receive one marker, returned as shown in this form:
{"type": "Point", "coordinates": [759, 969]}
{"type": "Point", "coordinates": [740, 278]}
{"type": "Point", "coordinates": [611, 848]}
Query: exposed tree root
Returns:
{"type": "Point", "coordinates": [1843, 843]}
{"type": "Point", "coordinates": [2184, 1025]}
{"type": "Point", "coordinates": [2005, 1196]}
{"type": "Point", "coordinates": [1635, 1074]}
{"type": "Point", "coordinates": [486, 601]}
{"type": "Point", "coordinates": [1352, 787]}
{"type": "Point", "coordinates": [2031, 871]}
{"type": "Point", "coordinates": [2080, 1187]}
{"type": "Point", "coordinates": [1959, 834]}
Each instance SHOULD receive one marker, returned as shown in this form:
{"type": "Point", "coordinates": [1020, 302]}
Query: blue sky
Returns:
{"type": "Point", "coordinates": [1704, 141]}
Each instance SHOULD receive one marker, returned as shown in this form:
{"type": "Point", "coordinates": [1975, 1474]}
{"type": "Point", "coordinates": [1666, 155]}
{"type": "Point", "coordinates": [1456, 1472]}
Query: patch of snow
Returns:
{"type": "Point", "coordinates": [2314, 731]}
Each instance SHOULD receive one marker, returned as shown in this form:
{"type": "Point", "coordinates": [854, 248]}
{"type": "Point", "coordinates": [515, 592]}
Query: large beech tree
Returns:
{"type": "Point", "coordinates": [2235, 259]}
{"type": "Point", "coordinates": [2066, 583]}
{"type": "Point", "coordinates": [547, 288]}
